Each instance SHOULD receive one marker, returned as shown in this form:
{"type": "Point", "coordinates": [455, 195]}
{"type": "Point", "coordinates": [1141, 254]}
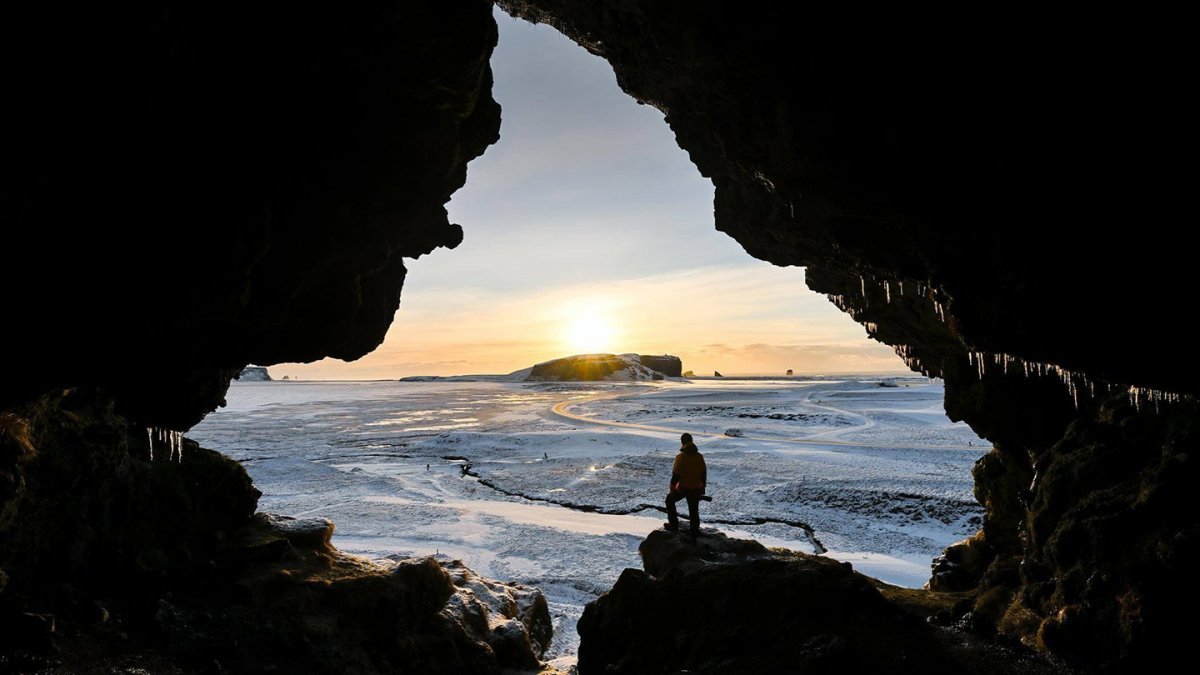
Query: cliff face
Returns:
{"type": "Point", "coordinates": [671, 366]}
{"type": "Point", "coordinates": [942, 189]}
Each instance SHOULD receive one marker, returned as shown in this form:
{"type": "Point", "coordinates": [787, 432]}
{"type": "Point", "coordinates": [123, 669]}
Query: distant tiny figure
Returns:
{"type": "Point", "coordinates": [545, 456]}
{"type": "Point", "coordinates": [426, 467]}
{"type": "Point", "coordinates": [465, 468]}
{"type": "Point", "coordinates": [970, 444]}
{"type": "Point", "coordinates": [689, 477]}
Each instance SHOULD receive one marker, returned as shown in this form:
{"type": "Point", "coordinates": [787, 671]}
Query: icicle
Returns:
{"type": "Point", "coordinates": [792, 208]}
{"type": "Point", "coordinates": [887, 291]}
{"type": "Point", "coordinates": [901, 288]}
{"type": "Point", "coordinates": [150, 438]}
{"type": "Point", "coordinates": [862, 285]}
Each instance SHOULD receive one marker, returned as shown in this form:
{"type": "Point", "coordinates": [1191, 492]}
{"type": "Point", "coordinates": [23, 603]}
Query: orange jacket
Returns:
{"type": "Point", "coordinates": [689, 472]}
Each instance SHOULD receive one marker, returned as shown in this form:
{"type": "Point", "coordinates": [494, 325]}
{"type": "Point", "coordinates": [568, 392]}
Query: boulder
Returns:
{"type": "Point", "coordinates": [726, 605]}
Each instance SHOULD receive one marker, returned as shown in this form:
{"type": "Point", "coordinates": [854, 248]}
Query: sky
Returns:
{"type": "Point", "coordinates": [588, 230]}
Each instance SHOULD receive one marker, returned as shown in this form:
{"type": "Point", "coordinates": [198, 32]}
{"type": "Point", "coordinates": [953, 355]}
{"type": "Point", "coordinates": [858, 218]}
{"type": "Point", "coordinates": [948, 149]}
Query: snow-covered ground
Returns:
{"type": "Point", "coordinates": [878, 474]}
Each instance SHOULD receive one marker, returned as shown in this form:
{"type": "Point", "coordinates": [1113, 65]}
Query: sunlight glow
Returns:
{"type": "Point", "coordinates": [589, 334]}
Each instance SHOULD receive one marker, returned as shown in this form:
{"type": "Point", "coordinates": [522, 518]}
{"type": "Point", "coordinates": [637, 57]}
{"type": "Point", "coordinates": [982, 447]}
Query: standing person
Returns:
{"type": "Point", "coordinates": [689, 477]}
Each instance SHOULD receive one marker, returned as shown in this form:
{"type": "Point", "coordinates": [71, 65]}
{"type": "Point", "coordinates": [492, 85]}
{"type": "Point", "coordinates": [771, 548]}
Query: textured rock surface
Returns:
{"type": "Point", "coordinates": [671, 366]}
{"type": "Point", "coordinates": [215, 188]}
{"type": "Point", "coordinates": [899, 150]}
{"type": "Point", "coordinates": [112, 561]}
{"type": "Point", "coordinates": [948, 188]}
{"type": "Point", "coordinates": [728, 605]}
{"type": "Point", "coordinates": [84, 507]}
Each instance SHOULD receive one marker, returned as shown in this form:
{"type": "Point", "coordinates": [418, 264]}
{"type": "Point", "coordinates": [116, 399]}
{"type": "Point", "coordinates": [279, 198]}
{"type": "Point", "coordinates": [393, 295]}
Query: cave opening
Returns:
{"type": "Point", "coordinates": [965, 195]}
{"type": "Point", "coordinates": [587, 229]}
{"type": "Point", "coordinates": [587, 209]}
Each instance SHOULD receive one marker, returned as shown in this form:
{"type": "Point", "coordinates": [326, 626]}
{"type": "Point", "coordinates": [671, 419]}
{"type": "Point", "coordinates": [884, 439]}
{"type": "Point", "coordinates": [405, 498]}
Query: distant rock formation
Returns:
{"type": "Point", "coordinates": [812, 613]}
{"type": "Point", "coordinates": [689, 374]}
{"type": "Point", "coordinates": [671, 366]}
{"type": "Point", "coordinates": [717, 373]}
{"type": "Point", "coordinates": [598, 367]}
{"type": "Point", "coordinates": [255, 374]}
{"type": "Point", "coordinates": [789, 372]}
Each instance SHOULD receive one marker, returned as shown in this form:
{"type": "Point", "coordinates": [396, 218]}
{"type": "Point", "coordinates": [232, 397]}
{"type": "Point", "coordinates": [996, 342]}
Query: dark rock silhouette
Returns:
{"type": "Point", "coordinates": [731, 605]}
{"type": "Point", "coordinates": [813, 166]}
{"type": "Point", "coordinates": [164, 567]}
{"type": "Point", "coordinates": [261, 177]}
{"type": "Point", "coordinates": [670, 366]}
{"type": "Point", "coordinates": [294, 157]}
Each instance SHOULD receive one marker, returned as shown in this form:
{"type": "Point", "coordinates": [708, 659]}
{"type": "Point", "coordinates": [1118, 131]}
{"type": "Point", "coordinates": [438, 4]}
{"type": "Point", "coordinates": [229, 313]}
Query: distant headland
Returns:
{"type": "Point", "coordinates": [584, 368]}
{"type": "Point", "coordinates": [254, 374]}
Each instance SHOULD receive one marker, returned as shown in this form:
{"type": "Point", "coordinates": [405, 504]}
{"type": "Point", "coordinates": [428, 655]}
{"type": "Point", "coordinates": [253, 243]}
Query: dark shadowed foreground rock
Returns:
{"type": "Point", "coordinates": [111, 561]}
{"type": "Point", "coordinates": [733, 606]}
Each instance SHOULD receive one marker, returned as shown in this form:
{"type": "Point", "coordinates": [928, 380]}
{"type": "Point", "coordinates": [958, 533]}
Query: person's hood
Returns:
{"type": "Point", "coordinates": [689, 448]}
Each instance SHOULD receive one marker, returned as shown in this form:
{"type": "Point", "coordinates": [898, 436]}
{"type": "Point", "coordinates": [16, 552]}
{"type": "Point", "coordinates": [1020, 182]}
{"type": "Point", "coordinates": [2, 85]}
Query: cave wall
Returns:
{"type": "Point", "coordinates": [992, 200]}
{"type": "Point", "coordinates": [186, 188]}
{"type": "Point", "coordinates": [998, 200]}
{"type": "Point", "coordinates": [215, 185]}
{"type": "Point", "coordinates": [980, 160]}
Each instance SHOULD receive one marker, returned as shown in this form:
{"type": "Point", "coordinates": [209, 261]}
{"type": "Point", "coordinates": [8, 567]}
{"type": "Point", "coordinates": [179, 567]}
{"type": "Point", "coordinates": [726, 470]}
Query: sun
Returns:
{"type": "Point", "coordinates": [589, 334]}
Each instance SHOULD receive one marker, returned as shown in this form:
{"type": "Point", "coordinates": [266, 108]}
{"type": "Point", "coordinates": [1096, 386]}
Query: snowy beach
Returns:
{"type": "Point", "coordinates": [555, 484]}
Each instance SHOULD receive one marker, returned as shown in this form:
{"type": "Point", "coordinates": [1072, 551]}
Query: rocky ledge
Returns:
{"type": "Point", "coordinates": [154, 560]}
{"type": "Point", "coordinates": [730, 605]}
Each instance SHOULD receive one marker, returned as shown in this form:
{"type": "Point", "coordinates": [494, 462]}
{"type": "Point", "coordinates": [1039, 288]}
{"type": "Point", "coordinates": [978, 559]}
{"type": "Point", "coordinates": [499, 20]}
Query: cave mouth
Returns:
{"type": "Point", "coordinates": [305, 155]}
{"type": "Point", "coordinates": [587, 229]}
{"type": "Point", "coordinates": [426, 468]}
